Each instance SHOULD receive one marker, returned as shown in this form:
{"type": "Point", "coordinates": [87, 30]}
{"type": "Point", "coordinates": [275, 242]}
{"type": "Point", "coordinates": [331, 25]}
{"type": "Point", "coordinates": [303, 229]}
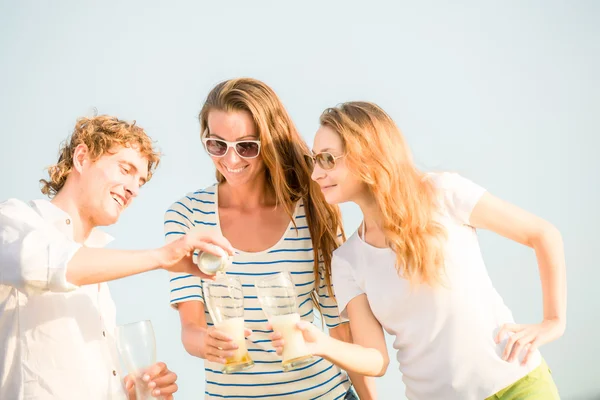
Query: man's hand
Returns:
{"type": "Point", "coordinates": [177, 255]}
{"type": "Point", "coordinates": [160, 381]}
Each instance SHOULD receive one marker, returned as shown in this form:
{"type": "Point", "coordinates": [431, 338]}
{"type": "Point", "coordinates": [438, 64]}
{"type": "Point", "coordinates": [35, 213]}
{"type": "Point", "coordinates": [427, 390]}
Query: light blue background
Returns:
{"type": "Point", "coordinates": [506, 93]}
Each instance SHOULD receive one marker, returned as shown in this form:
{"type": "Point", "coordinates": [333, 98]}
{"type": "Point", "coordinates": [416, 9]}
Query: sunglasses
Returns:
{"type": "Point", "coordinates": [243, 148]}
{"type": "Point", "coordinates": [324, 160]}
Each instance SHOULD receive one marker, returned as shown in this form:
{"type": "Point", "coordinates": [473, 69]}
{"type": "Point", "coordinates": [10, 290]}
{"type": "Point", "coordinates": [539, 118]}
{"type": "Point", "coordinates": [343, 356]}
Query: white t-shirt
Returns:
{"type": "Point", "coordinates": [444, 337]}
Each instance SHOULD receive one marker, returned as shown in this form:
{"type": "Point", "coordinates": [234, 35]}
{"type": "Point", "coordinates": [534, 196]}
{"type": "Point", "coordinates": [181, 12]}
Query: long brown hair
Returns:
{"type": "Point", "coordinates": [378, 154]}
{"type": "Point", "coordinates": [284, 153]}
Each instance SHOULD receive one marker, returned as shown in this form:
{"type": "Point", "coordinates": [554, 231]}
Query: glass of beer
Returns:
{"type": "Point", "coordinates": [277, 297]}
{"type": "Point", "coordinates": [137, 347]}
{"type": "Point", "coordinates": [225, 302]}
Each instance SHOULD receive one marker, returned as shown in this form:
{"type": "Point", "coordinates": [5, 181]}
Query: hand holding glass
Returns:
{"type": "Point", "coordinates": [277, 296]}
{"type": "Point", "coordinates": [225, 303]}
{"type": "Point", "coordinates": [137, 347]}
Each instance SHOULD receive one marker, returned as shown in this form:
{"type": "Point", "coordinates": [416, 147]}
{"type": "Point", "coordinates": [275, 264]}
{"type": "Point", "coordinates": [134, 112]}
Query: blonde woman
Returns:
{"type": "Point", "coordinates": [414, 268]}
{"type": "Point", "coordinates": [276, 218]}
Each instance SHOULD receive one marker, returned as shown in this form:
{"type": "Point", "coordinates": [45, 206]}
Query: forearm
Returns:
{"type": "Point", "coordinates": [192, 337]}
{"type": "Point", "coordinates": [364, 385]}
{"type": "Point", "coordinates": [354, 358]}
{"type": "Point", "coordinates": [549, 251]}
{"type": "Point", "coordinates": [92, 265]}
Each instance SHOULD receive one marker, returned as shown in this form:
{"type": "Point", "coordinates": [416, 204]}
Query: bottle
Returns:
{"type": "Point", "coordinates": [211, 264]}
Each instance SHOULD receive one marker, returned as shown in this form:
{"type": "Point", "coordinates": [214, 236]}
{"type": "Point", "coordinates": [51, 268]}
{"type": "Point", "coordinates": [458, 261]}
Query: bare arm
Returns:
{"type": "Point", "coordinates": [200, 340]}
{"type": "Point", "coordinates": [368, 353]}
{"type": "Point", "coordinates": [193, 327]}
{"type": "Point", "coordinates": [91, 265]}
{"type": "Point", "coordinates": [364, 385]}
{"type": "Point", "coordinates": [366, 356]}
{"type": "Point", "coordinates": [523, 227]}
{"type": "Point", "coordinates": [35, 257]}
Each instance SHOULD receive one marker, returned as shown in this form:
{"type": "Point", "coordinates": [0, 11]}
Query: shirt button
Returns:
{"type": "Point", "coordinates": [114, 373]}
{"type": "Point", "coordinates": [68, 221]}
{"type": "Point", "coordinates": [104, 333]}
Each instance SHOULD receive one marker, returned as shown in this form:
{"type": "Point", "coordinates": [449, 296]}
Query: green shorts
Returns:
{"type": "Point", "coordinates": [536, 385]}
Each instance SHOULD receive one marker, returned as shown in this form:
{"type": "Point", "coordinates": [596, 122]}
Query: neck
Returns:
{"type": "Point", "coordinates": [66, 200]}
{"type": "Point", "coordinates": [251, 195]}
{"type": "Point", "coordinates": [373, 218]}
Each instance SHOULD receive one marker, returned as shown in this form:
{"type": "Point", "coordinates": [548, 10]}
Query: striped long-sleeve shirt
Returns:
{"type": "Point", "coordinates": [292, 253]}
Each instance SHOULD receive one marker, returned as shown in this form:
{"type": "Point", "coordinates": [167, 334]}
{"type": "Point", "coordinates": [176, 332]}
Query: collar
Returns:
{"type": "Point", "coordinates": [62, 221]}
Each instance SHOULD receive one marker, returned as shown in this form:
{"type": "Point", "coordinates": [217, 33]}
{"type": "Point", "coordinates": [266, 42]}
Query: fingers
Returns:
{"type": "Point", "coordinates": [222, 339]}
{"type": "Point", "coordinates": [216, 359]}
{"type": "Point", "coordinates": [532, 348]}
{"type": "Point", "coordinates": [219, 346]}
{"type": "Point", "coordinates": [207, 247]}
{"type": "Point", "coordinates": [213, 244]}
{"type": "Point", "coordinates": [154, 371]}
{"type": "Point", "coordinates": [518, 345]}
{"type": "Point", "coordinates": [304, 325]}
{"type": "Point", "coordinates": [519, 341]}
{"type": "Point", "coordinates": [187, 265]}
{"type": "Point", "coordinates": [510, 344]}
{"type": "Point", "coordinates": [247, 332]}
{"type": "Point", "coordinates": [505, 330]}
{"type": "Point", "coordinates": [165, 391]}
{"type": "Point", "coordinates": [129, 382]}
{"type": "Point", "coordinates": [167, 379]}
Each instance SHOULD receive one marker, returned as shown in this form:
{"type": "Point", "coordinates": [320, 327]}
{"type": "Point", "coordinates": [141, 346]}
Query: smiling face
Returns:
{"type": "Point", "coordinates": [109, 184]}
{"type": "Point", "coordinates": [235, 126]}
{"type": "Point", "coordinates": [338, 184]}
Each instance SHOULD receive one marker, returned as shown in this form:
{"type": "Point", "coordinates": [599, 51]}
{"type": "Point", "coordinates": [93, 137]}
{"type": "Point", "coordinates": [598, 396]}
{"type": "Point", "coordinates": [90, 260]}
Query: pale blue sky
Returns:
{"type": "Point", "coordinates": [506, 93]}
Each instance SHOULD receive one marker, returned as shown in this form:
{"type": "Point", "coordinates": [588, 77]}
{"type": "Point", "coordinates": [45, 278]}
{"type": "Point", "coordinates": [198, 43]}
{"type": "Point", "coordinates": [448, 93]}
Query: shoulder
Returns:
{"type": "Point", "coordinates": [16, 209]}
{"type": "Point", "coordinates": [456, 194]}
{"type": "Point", "coordinates": [13, 204]}
{"type": "Point", "coordinates": [206, 196]}
{"type": "Point", "coordinates": [450, 181]}
{"type": "Point", "coordinates": [347, 253]}
{"type": "Point", "coordinates": [18, 216]}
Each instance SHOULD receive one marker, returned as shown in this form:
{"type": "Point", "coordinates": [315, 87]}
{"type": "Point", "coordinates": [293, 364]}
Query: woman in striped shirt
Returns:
{"type": "Point", "coordinates": [275, 217]}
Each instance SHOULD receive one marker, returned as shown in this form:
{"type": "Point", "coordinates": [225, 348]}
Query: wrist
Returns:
{"type": "Point", "coordinates": [158, 258]}
{"type": "Point", "coordinates": [324, 346]}
{"type": "Point", "coordinates": [194, 338]}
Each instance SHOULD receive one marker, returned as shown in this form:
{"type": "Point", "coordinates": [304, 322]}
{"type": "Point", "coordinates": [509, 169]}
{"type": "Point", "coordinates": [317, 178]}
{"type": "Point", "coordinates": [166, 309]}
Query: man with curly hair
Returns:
{"type": "Point", "coordinates": [57, 318]}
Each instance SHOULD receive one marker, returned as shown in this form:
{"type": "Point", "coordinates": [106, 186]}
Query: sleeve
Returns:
{"type": "Point", "coordinates": [179, 219]}
{"type": "Point", "coordinates": [460, 195]}
{"type": "Point", "coordinates": [33, 256]}
{"type": "Point", "coordinates": [344, 284]}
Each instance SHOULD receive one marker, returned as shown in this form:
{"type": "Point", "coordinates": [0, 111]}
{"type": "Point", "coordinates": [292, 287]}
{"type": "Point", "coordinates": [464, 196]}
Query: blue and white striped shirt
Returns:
{"type": "Point", "coordinates": [293, 253]}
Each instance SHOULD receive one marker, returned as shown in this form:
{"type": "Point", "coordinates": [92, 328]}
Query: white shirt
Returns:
{"type": "Point", "coordinates": [444, 337]}
{"type": "Point", "coordinates": [56, 339]}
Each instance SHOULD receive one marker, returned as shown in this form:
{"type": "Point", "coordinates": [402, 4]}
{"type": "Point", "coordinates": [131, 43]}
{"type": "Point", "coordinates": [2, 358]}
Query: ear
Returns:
{"type": "Point", "coordinates": [80, 156]}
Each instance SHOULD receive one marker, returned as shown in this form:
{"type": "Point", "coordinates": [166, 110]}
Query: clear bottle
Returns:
{"type": "Point", "coordinates": [212, 264]}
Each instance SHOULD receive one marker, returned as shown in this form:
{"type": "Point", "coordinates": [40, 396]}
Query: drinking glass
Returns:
{"type": "Point", "coordinates": [137, 347]}
{"type": "Point", "coordinates": [225, 302]}
{"type": "Point", "coordinates": [277, 297]}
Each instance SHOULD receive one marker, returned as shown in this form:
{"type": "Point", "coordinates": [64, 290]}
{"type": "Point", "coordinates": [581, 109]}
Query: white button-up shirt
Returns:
{"type": "Point", "coordinates": [56, 339]}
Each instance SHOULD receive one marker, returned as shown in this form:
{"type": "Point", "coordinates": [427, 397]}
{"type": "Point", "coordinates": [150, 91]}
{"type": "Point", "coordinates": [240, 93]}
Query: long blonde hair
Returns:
{"type": "Point", "coordinates": [284, 154]}
{"type": "Point", "coordinates": [378, 154]}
